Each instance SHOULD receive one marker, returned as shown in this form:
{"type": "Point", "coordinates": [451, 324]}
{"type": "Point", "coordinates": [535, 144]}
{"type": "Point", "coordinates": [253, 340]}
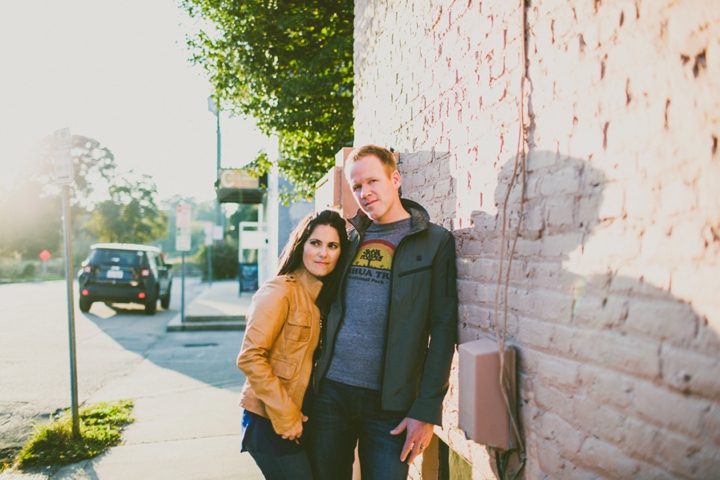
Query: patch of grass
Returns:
{"type": "Point", "coordinates": [100, 427]}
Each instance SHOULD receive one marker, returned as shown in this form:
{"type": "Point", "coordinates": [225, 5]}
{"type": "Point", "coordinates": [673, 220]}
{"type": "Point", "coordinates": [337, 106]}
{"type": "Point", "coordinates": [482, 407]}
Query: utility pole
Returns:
{"type": "Point", "coordinates": [215, 109]}
{"type": "Point", "coordinates": [64, 177]}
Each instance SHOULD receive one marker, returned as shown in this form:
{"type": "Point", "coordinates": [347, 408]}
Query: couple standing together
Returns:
{"type": "Point", "coordinates": [351, 344]}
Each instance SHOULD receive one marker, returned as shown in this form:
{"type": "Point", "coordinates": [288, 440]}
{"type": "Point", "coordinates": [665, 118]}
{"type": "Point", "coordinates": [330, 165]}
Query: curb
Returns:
{"type": "Point", "coordinates": [195, 324]}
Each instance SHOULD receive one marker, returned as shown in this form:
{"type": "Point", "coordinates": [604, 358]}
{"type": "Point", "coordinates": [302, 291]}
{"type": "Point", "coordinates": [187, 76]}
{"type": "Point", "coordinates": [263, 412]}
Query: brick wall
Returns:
{"type": "Point", "coordinates": [613, 299]}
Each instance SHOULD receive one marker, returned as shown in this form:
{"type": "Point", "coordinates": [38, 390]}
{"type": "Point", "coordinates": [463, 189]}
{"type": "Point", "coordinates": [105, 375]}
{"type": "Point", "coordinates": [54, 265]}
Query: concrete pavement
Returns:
{"type": "Point", "coordinates": [219, 307]}
{"type": "Point", "coordinates": [185, 388]}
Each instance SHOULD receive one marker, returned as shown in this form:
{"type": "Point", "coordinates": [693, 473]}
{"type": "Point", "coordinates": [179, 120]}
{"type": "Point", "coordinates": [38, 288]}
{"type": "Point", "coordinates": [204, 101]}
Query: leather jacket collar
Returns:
{"type": "Point", "coordinates": [310, 282]}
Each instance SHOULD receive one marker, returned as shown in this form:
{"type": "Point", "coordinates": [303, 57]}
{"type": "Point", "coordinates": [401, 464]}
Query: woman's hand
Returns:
{"type": "Point", "coordinates": [295, 432]}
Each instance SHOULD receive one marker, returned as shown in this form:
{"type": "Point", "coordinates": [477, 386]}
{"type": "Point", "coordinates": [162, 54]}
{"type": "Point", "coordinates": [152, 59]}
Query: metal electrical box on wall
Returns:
{"type": "Point", "coordinates": [483, 412]}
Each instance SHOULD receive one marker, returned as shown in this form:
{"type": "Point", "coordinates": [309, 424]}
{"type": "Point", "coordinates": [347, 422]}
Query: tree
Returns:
{"type": "Point", "coordinates": [289, 64]}
{"type": "Point", "coordinates": [131, 215]}
{"type": "Point", "coordinates": [30, 221]}
{"type": "Point", "coordinates": [30, 211]}
{"type": "Point", "coordinates": [201, 212]}
{"type": "Point", "coordinates": [371, 255]}
{"type": "Point", "coordinates": [224, 260]}
{"type": "Point", "coordinates": [94, 167]}
{"type": "Point", "coordinates": [244, 213]}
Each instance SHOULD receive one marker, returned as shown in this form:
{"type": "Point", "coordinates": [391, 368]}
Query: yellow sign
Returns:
{"type": "Point", "coordinates": [236, 178]}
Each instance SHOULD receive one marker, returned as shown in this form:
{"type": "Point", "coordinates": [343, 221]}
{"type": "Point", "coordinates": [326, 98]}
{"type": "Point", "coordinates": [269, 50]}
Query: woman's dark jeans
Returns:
{"type": "Point", "coordinates": [342, 416]}
{"type": "Point", "coordinates": [281, 467]}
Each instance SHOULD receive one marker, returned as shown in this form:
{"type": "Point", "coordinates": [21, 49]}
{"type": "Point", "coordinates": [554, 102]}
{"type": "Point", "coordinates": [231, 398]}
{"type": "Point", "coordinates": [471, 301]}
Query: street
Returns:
{"type": "Point", "coordinates": [113, 344]}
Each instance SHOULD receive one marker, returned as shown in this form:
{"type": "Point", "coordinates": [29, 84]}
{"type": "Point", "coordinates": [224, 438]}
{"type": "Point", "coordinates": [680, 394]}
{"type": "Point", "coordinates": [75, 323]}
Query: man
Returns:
{"type": "Point", "coordinates": [383, 367]}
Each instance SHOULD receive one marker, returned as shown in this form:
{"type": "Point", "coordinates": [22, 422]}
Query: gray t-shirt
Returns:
{"type": "Point", "coordinates": [360, 345]}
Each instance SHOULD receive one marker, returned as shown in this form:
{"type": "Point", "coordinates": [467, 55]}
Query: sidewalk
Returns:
{"type": "Point", "coordinates": [218, 308]}
{"type": "Point", "coordinates": [185, 388]}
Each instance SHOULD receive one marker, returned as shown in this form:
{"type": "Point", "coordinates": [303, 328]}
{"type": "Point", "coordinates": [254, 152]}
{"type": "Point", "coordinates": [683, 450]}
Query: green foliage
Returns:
{"type": "Point", "coordinates": [131, 215]}
{"type": "Point", "coordinates": [201, 212]}
{"type": "Point", "coordinates": [30, 211]}
{"type": "Point", "coordinates": [244, 213]}
{"type": "Point", "coordinates": [14, 270]}
{"type": "Point", "coordinates": [100, 427]}
{"type": "Point", "coordinates": [289, 64]}
{"type": "Point", "coordinates": [224, 260]}
{"type": "Point", "coordinates": [93, 165]}
{"type": "Point", "coordinates": [30, 221]}
{"type": "Point", "coordinates": [28, 271]}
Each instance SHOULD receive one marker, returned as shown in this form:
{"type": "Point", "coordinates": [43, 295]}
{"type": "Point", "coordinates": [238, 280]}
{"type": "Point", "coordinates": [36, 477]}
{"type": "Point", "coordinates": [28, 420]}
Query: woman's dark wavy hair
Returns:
{"type": "Point", "coordinates": [292, 253]}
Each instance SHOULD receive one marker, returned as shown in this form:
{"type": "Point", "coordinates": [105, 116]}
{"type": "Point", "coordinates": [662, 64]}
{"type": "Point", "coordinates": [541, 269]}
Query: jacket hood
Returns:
{"type": "Point", "coordinates": [419, 217]}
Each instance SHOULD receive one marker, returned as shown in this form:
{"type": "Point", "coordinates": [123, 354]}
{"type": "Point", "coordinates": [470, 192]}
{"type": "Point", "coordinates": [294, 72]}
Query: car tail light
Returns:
{"type": "Point", "coordinates": [87, 269]}
{"type": "Point", "coordinates": [141, 295]}
{"type": "Point", "coordinates": [145, 272]}
{"type": "Point", "coordinates": [84, 292]}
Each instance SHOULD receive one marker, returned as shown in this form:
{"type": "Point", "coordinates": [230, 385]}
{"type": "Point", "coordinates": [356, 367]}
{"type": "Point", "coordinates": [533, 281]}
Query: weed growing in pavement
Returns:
{"type": "Point", "coordinates": [100, 427]}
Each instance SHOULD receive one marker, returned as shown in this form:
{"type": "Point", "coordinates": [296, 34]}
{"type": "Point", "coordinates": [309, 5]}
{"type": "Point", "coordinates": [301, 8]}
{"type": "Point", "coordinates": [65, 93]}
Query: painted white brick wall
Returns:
{"type": "Point", "coordinates": [613, 298]}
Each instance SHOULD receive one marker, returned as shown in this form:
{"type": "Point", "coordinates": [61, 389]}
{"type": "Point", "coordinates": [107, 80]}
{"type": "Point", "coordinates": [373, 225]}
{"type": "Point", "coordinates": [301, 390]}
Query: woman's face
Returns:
{"type": "Point", "coordinates": [321, 251]}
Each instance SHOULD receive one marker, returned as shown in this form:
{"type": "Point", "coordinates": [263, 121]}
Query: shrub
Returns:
{"type": "Point", "coordinates": [100, 427]}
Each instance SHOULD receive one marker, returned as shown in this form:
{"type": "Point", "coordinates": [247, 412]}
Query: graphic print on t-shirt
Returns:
{"type": "Point", "coordinates": [373, 261]}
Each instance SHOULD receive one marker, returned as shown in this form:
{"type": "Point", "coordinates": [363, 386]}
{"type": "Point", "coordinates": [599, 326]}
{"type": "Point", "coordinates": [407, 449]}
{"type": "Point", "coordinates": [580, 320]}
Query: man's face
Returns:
{"type": "Point", "coordinates": [375, 192]}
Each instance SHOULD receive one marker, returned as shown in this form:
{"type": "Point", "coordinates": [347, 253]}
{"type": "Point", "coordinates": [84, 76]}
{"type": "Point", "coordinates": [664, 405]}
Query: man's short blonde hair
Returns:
{"type": "Point", "coordinates": [386, 157]}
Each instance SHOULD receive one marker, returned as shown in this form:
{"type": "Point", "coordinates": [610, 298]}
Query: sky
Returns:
{"type": "Point", "coordinates": [117, 72]}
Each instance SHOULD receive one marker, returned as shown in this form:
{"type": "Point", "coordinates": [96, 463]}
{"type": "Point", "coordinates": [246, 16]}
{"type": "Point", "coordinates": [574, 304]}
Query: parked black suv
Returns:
{"type": "Point", "coordinates": [125, 273]}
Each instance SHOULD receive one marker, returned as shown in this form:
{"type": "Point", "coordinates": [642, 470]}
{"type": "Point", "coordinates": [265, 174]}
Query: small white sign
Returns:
{"type": "Point", "coordinates": [183, 215]}
{"type": "Point", "coordinates": [217, 232]}
{"type": "Point", "coordinates": [183, 224]}
{"type": "Point", "coordinates": [62, 155]}
{"type": "Point", "coordinates": [183, 237]}
{"type": "Point", "coordinates": [209, 233]}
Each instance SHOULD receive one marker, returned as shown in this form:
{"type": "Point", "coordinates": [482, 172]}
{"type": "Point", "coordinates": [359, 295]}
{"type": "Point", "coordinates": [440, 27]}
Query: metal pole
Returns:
{"type": "Point", "coordinates": [218, 208]}
{"type": "Point", "coordinates": [219, 166]}
{"type": "Point", "coordinates": [69, 277]}
{"type": "Point", "coordinates": [209, 255]}
{"type": "Point", "coordinates": [182, 294]}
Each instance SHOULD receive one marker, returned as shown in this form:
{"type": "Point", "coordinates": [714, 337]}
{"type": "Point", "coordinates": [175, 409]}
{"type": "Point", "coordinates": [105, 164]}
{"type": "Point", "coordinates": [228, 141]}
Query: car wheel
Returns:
{"type": "Point", "coordinates": [151, 305]}
{"type": "Point", "coordinates": [85, 305]}
{"type": "Point", "coordinates": [165, 300]}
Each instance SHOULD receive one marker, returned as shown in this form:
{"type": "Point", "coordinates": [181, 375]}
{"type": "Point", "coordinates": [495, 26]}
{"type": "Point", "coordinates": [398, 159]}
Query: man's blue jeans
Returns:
{"type": "Point", "coordinates": [342, 416]}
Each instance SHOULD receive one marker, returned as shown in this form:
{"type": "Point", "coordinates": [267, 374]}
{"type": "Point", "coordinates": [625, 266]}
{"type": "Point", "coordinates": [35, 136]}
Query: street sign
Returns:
{"type": "Point", "coordinates": [183, 232]}
{"type": "Point", "coordinates": [45, 255]}
{"type": "Point", "coordinates": [209, 226]}
{"type": "Point", "coordinates": [62, 155]}
{"type": "Point", "coordinates": [218, 232]}
{"type": "Point", "coordinates": [238, 178]}
{"type": "Point", "coordinates": [184, 215]}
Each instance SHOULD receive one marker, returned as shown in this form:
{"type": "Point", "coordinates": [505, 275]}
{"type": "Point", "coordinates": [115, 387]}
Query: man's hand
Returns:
{"type": "Point", "coordinates": [418, 437]}
{"type": "Point", "coordinates": [295, 432]}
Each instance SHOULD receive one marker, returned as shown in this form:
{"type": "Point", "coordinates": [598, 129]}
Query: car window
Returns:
{"type": "Point", "coordinates": [153, 259]}
{"type": "Point", "coordinates": [121, 258]}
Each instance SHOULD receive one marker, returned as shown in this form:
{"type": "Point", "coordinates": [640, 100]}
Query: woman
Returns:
{"type": "Point", "coordinates": [282, 332]}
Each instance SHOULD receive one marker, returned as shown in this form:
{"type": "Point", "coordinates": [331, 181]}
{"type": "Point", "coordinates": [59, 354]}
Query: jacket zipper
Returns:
{"type": "Point", "coordinates": [341, 293]}
{"type": "Point", "coordinates": [387, 324]}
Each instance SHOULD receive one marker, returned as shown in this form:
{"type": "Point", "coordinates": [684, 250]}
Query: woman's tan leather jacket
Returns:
{"type": "Point", "coordinates": [281, 333]}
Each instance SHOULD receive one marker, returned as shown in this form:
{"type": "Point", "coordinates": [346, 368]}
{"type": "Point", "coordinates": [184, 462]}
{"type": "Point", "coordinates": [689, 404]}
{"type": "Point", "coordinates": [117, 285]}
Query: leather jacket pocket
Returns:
{"type": "Point", "coordinates": [415, 270]}
{"type": "Point", "coordinates": [283, 368]}
{"type": "Point", "coordinates": [298, 327]}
